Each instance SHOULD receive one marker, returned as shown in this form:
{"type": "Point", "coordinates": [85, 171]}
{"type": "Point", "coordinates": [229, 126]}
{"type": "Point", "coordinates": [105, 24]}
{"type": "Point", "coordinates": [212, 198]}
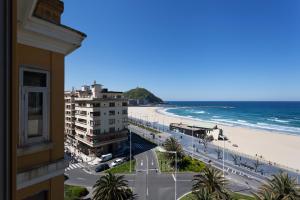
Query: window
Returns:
{"type": "Point", "coordinates": [95, 123]}
{"type": "Point", "coordinates": [124, 112]}
{"type": "Point", "coordinates": [95, 114]}
{"type": "Point", "coordinates": [97, 132]}
{"type": "Point", "coordinates": [96, 105]}
{"type": "Point", "coordinates": [112, 112]}
{"type": "Point", "coordinates": [34, 104]}
{"type": "Point", "coordinates": [124, 104]}
{"type": "Point", "coordinates": [112, 130]}
{"type": "Point", "coordinates": [111, 121]}
{"type": "Point", "coordinates": [112, 104]}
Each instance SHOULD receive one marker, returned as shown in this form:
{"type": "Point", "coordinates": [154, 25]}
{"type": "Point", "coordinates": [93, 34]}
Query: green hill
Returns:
{"type": "Point", "coordinates": [143, 94]}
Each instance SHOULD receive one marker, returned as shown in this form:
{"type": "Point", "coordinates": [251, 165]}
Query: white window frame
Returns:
{"type": "Point", "coordinates": [24, 90]}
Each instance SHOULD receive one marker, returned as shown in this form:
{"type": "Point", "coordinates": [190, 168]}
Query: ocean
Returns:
{"type": "Point", "coordinates": [273, 116]}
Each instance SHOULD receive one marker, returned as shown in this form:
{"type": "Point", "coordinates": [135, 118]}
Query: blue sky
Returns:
{"type": "Point", "coordinates": [188, 49]}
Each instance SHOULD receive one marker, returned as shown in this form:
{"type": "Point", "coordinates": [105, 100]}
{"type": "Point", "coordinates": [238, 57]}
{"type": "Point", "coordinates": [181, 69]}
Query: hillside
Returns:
{"type": "Point", "coordinates": [143, 94]}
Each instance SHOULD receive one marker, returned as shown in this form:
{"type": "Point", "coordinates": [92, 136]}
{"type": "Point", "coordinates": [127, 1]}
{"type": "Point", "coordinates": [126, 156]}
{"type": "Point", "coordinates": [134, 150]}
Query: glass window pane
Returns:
{"type": "Point", "coordinates": [34, 79]}
{"type": "Point", "coordinates": [35, 114]}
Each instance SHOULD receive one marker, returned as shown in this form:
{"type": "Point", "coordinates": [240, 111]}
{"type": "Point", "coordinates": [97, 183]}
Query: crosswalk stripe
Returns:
{"type": "Point", "coordinates": [74, 166]}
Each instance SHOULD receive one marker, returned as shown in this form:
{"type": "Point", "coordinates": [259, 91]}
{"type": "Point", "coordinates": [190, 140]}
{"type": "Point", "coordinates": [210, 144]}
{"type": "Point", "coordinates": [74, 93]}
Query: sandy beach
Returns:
{"type": "Point", "coordinates": [279, 148]}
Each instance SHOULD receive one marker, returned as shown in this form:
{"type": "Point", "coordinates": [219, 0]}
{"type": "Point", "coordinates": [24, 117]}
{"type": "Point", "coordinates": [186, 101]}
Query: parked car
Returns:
{"type": "Point", "coordinates": [116, 162]}
{"type": "Point", "coordinates": [102, 167]}
{"type": "Point", "coordinates": [106, 157]}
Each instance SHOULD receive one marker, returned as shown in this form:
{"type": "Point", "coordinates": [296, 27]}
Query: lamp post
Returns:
{"type": "Point", "coordinates": [175, 179]}
{"type": "Point", "coordinates": [147, 192]}
{"type": "Point", "coordinates": [193, 141]}
{"type": "Point", "coordinates": [223, 155]}
{"type": "Point", "coordinates": [130, 152]}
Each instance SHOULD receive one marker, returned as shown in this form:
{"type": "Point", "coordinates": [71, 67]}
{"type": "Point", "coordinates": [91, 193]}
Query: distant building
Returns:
{"type": "Point", "coordinates": [96, 119]}
{"type": "Point", "coordinates": [195, 131]}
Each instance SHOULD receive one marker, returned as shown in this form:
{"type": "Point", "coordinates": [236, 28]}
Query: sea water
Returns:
{"type": "Point", "coordinates": [273, 116]}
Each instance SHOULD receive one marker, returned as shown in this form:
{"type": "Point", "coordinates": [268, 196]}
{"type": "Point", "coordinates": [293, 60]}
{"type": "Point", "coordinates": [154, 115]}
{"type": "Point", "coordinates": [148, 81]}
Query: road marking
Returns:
{"type": "Point", "coordinates": [74, 166]}
{"type": "Point", "coordinates": [142, 163]}
{"type": "Point", "coordinates": [173, 177]}
{"type": "Point", "coordinates": [152, 162]}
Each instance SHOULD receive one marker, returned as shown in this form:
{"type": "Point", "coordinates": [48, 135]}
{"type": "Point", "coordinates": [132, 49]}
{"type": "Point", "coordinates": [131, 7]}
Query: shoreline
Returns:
{"type": "Point", "coordinates": [275, 146]}
{"type": "Point", "coordinates": [272, 131]}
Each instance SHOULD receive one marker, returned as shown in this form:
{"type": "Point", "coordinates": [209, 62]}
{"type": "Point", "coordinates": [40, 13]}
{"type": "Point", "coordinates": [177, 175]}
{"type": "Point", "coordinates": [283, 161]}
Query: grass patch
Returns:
{"type": "Point", "coordinates": [235, 196]}
{"type": "Point", "coordinates": [165, 164]}
{"type": "Point", "coordinates": [123, 168]}
{"type": "Point", "coordinates": [238, 196]}
{"type": "Point", "coordinates": [186, 164]}
{"type": "Point", "coordinates": [74, 192]}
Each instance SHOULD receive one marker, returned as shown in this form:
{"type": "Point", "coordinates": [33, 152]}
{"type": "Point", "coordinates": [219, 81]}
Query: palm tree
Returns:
{"type": "Point", "coordinates": [171, 144]}
{"type": "Point", "coordinates": [213, 181]}
{"type": "Point", "coordinates": [280, 187]}
{"type": "Point", "coordinates": [112, 187]}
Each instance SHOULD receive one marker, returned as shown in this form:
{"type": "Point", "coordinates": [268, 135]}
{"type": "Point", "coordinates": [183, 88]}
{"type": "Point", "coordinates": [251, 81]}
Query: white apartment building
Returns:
{"type": "Point", "coordinates": [96, 119]}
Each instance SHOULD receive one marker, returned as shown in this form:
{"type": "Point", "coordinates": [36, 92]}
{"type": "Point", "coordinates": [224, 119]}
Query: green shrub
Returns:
{"type": "Point", "coordinates": [189, 164]}
{"type": "Point", "coordinates": [75, 192]}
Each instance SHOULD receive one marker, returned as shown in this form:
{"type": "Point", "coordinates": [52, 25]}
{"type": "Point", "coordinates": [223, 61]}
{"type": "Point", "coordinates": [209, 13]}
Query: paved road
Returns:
{"type": "Point", "coordinates": [159, 185]}
{"type": "Point", "coordinates": [240, 179]}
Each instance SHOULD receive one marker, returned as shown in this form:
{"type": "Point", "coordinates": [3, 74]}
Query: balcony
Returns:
{"type": "Point", "coordinates": [80, 130]}
{"type": "Point", "coordinates": [104, 139]}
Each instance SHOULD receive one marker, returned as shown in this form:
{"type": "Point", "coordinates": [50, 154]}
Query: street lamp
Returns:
{"type": "Point", "coordinates": [193, 141]}
{"type": "Point", "coordinates": [130, 152]}
{"type": "Point", "coordinates": [174, 152]}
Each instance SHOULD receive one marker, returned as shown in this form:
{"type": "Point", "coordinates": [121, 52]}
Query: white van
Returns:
{"type": "Point", "coordinates": [106, 157]}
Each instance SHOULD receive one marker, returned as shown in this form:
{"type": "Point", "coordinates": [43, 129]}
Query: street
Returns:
{"type": "Point", "coordinates": [148, 182]}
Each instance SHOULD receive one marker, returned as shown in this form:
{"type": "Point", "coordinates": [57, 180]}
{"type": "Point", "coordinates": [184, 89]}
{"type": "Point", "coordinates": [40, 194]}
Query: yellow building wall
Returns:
{"type": "Point", "coordinates": [54, 64]}
{"type": "Point", "coordinates": [55, 188]}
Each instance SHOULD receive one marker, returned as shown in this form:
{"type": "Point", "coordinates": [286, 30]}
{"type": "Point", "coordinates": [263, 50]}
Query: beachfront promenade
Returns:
{"type": "Point", "coordinates": [234, 162]}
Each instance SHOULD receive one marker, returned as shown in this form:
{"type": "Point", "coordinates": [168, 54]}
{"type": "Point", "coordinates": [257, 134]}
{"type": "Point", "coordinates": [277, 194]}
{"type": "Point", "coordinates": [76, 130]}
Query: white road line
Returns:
{"type": "Point", "coordinates": [173, 177]}
{"type": "Point", "coordinates": [142, 163]}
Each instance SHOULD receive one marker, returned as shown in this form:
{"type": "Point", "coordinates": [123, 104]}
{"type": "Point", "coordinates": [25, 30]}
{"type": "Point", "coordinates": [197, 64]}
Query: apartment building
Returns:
{"type": "Point", "coordinates": [36, 98]}
{"type": "Point", "coordinates": [101, 119]}
{"type": "Point", "coordinates": [70, 118]}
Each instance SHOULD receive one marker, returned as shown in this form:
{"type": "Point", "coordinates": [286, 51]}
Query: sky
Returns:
{"type": "Point", "coordinates": [188, 49]}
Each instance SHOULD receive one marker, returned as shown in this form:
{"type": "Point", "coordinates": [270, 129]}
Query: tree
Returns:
{"type": "Point", "coordinates": [111, 187]}
{"type": "Point", "coordinates": [212, 181]}
{"type": "Point", "coordinates": [280, 187]}
{"type": "Point", "coordinates": [171, 144]}
{"type": "Point", "coordinates": [204, 194]}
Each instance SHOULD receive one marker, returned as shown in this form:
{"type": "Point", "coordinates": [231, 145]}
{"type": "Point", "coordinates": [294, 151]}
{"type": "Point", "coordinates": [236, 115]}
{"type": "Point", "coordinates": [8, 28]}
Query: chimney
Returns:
{"type": "Point", "coordinates": [49, 10]}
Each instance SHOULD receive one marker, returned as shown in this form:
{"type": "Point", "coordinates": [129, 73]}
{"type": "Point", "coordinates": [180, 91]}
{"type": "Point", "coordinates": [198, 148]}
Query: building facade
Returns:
{"type": "Point", "coordinates": [100, 121]}
{"type": "Point", "coordinates": [40, 45]}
